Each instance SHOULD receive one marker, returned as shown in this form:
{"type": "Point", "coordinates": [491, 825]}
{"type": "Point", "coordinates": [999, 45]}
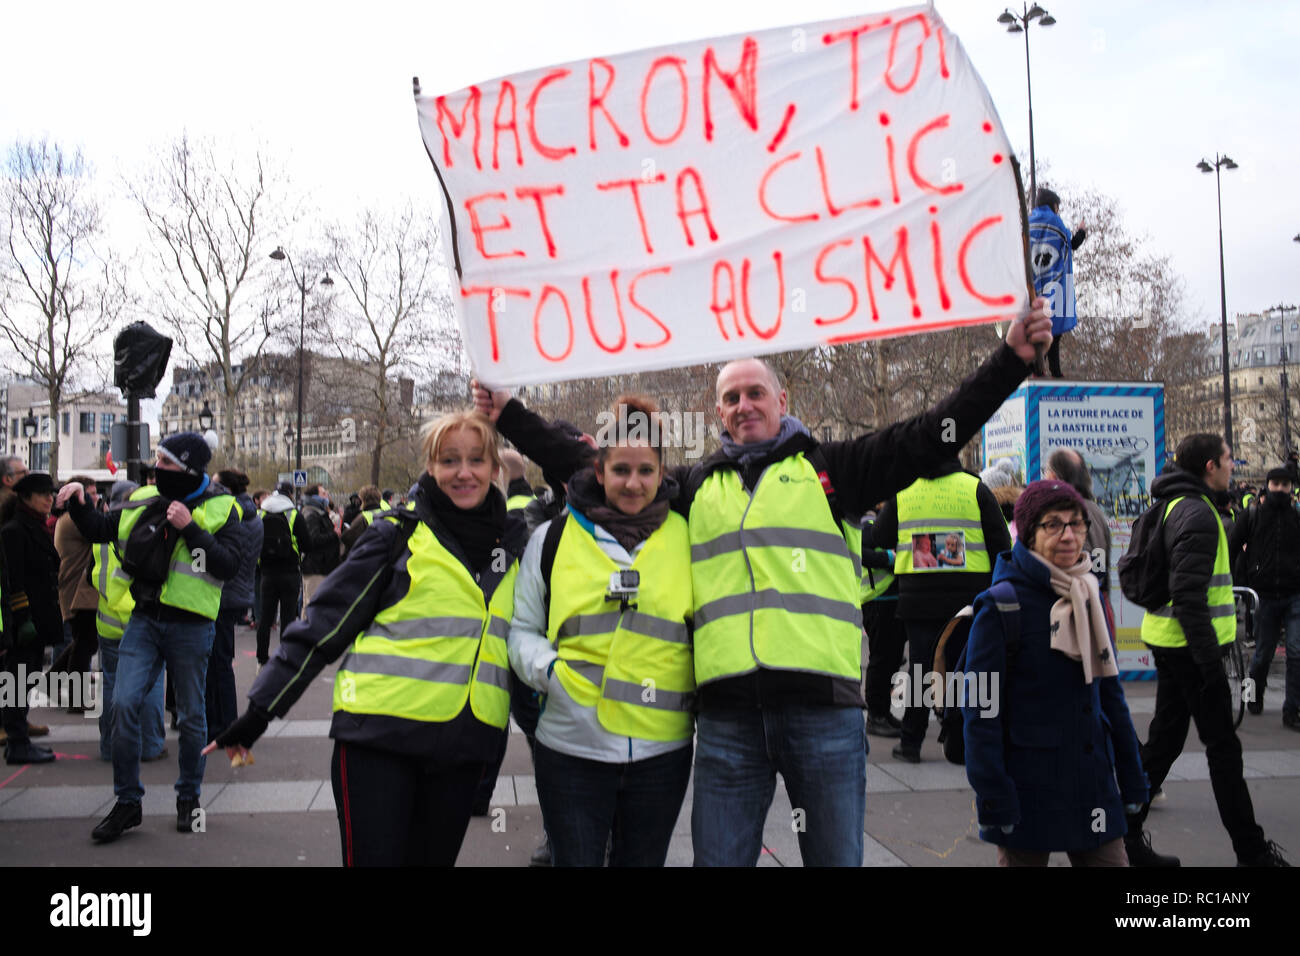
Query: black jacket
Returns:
{"type": "Point", "coordinates": [863, 472]}
{"type": "Point", "coordinates": [1191, 541]}
{"type": "Point", "coordinates": [344, 605]}
{"type": "Point", "coordinates": [939, 596]}
{"type": "Point", "coordinates": [221, 550]}
{"type": "Point", "coordinates": [33, 572]}
{"type": "Point", "coordinates": [1271, 538]}
{"type": "Point", "coordinates": [317, 541]}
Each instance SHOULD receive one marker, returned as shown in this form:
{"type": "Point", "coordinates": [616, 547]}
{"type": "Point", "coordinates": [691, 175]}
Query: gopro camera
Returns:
{"type": "Point", "coordinates": [623, 586]}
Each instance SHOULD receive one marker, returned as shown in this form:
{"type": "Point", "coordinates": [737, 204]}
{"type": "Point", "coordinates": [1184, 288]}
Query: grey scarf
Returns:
{"type": "Point", "coordinates": [745, 455]}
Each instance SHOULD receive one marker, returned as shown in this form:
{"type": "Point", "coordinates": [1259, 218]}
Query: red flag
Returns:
{"type": "Point", "coordinates": [108, 460]}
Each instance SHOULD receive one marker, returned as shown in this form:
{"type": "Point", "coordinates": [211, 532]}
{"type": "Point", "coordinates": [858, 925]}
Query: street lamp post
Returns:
{"type": "Point", "coordinates": [205, 417]}
{"type": "Point", "coordinates": [30, 427]}
{"type": "Point", "coordinates": [1286, 399]}
{"type": "Point", "coordinates": [1222, 162]}
{"type": "Point", "coordinates": [1019, 23]}
{"type": "Point", "coordinates": [280, 255]}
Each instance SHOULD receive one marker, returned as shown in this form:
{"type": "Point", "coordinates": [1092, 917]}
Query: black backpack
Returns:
{"type": "Point", "coordinates": [147, 556]}
{"type": "Point", "coordinates": [277, 542]}
{"type": "Point", "coordinates": [1144, 569]}
{"type": "Point", "coordinates": [949, 658]}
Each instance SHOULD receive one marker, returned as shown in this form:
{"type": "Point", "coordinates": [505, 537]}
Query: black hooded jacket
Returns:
{"type": "Point", "coordinates": [1270, 534]}
{"type": "Point", "coordinates": [1191, 541]}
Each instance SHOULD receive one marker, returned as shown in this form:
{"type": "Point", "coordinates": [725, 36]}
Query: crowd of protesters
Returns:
{"type": "Point", "coordinates": [645, 624]}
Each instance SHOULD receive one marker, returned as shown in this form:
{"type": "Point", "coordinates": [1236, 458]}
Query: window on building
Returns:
{"type": "Point", "coordinates": [13, 430]}
{"type": "Point", "coordinates": [1278, 327]}
{"type": "Point", "coordinates": [1261, 380]}
{"type": "Point", "coordinates": [1261, 406]}
{"type": "Point", "coordinates": [106, 420]}
{"type": "Point", "coordinates": [86, 425]}
{"type": "Point", "coordinates": [1259, 355]}
{"type": "Point", "coordinates": [67, 423]}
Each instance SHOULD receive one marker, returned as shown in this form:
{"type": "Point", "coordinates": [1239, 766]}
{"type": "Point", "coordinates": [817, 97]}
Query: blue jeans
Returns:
{"type": "Point", "coordinates": [146, 645]}
{"type": "Point", "coordinates": [152, 729]}
{"type": "Point", "coordinates": [585, 802]}
{"type": "Point", "coordinates": [1278, 617]}
{"type": "Point", "coordinates": [821, 754]}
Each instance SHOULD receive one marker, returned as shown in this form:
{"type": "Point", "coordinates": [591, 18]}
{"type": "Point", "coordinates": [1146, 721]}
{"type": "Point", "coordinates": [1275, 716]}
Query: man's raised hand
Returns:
{"type": "Point", "coordinates": [1031, 330]}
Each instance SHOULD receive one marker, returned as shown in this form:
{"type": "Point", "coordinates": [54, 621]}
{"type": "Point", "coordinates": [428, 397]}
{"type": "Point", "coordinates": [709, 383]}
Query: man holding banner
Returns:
{"type": "Point", "coordinates": [711, 201]}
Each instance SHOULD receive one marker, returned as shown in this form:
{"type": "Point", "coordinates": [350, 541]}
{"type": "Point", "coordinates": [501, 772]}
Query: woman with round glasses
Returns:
{"type": "Point", "coordinates": [1052, 756]}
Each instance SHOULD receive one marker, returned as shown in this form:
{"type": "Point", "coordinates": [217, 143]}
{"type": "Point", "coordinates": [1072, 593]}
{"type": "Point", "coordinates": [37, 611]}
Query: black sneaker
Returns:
{"type": "Point", "coordinates": [27, 752]}
{"type": "Point", "coordinates": [1140, 853]}
{"type": "Point", "coordinates": [185, 808]}
{"type": "Point", "coordinates": [542, 855]}
{"type": "Point", "coordinates": [1271, 855]}
{"type": "Point", "coordinates": [907, 754]}
{"type": "Point", "coordinates": [880, 727]}
{"type": "Point", "coordinates": [1291, 721]}
{"type": "Point", "coordinates": [122, 817]}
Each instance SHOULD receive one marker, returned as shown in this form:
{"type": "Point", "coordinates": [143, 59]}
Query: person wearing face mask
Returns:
{"type": "Point", "coordinates": [602, 628]}
{"type": "Point", "coordinates": [1050, 750]}
{"type": "Point", "coordinates": [1269, 532]}
{"type": "Point", "coordinates": [179, 542]}
{"type": "Point", "coordinates": [419, 612]}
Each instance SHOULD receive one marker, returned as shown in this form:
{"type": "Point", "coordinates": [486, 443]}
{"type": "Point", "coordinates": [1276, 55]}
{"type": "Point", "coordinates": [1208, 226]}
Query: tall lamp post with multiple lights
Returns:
{"type": "Point", "coordinates": [301, 282]}
{"type": "Point", "coordinates": [30, 427]}
{"type": "Point", "coordinates": [1286, 398]}
{"type": "Point", "coordinates": [1222, 162]}
{"type": "Point", "coordinates": [1019, 23]}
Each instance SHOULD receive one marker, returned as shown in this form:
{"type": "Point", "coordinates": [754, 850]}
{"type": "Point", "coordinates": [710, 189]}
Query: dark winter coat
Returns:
{"type": "Point", "coordinates": [238, 591]}
{"type": "Point", "coordinates": [863, 471]}
{"type": "Point", "coordinates": [33, 585]}
{"type": "Point", "coordinates": [317, 541]}
{"type": "Point", "coordinates": [1271, 537]}
{"type": "Point", "coordinates": [1048, 760]}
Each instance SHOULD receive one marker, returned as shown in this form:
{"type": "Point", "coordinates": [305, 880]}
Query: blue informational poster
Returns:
{"type": "Point", "coordinates": [1119, 429]}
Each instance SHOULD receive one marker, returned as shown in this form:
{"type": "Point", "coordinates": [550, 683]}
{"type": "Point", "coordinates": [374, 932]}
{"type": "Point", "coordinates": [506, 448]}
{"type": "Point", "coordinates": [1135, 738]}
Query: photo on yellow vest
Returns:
{"type": "Point", "coordinates": [939, 551]}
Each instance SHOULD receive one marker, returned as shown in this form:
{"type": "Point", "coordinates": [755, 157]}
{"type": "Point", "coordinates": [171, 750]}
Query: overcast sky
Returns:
{"type": "Point", "coordinates": [1128, 96]}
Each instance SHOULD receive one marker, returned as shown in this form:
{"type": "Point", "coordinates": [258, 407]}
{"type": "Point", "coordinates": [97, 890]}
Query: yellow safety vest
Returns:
{"type": "Point", "coordinates": [291, 516]}
{"type": "Point", "coordinates": [114, 587]}
{"type": "Point", "coordinates": [1161, 629]}
{"type": "Point", "coordinates": [374, 513]}
{"type": "Point", "coordinates": [634, 666]}
{"type": "Point", "coordinates": [776, 581]}
{"type": "Point", "coordinates": [517, 502]}
{"type": "Point", "coordinates": [941, 507]}
{"type": "Point", "coordinates": [438, 646]}
{"type": "Point", "coordinates": [188, 586]}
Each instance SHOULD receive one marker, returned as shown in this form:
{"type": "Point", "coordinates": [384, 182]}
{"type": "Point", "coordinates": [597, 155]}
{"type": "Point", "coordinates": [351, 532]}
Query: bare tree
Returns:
{"type": "Point", "coordinates": [397, 318]}
{"type": "Point", "coordinates": [210, 218]}
{"type": "Point", "coordinates": [59, 293]}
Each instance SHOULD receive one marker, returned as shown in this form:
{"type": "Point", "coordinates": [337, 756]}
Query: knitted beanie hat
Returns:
{"type": "Point", "coordinates": [189, 450]}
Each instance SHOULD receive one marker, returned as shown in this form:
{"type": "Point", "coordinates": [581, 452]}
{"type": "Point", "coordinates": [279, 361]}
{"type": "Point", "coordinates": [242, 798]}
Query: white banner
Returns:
{"type": "Point", "coordinates": [719, 198]}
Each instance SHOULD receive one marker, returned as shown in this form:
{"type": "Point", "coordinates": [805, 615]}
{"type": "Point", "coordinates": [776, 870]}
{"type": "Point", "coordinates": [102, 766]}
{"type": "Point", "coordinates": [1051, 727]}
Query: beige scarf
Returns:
{"type": "Point", "coordinates": [1078, 617]}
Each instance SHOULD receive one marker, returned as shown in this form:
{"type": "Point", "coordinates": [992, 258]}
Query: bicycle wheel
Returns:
{"type": "Point", "coordinates": [1235, 664]}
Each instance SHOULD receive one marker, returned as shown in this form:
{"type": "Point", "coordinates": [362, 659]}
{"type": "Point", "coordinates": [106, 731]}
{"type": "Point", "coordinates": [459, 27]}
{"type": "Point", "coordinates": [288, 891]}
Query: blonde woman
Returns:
{"type": "Point", "coordinates": [421, 606]}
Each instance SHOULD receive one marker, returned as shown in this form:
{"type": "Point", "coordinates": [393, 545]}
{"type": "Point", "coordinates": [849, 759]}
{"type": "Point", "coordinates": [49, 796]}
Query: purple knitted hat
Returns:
{"type": "Point", "coordinates": [1040, 497]}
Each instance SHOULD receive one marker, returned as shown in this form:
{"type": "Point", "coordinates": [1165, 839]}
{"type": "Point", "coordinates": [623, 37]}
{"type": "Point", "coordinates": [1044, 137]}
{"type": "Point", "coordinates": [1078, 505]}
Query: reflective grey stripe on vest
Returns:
{"type": "Point", "coordinates": [1221, 581]}
{"type": "Point", "coordinates": [103, 569]}
{"type": "Point", "coordinates": [390, 665]}
{"type": "Point", "coordinates": [1007, 607]}
{"type": "Point", "coordinates": [940, 523]}
{"type": "Point", "coordinates": [1216, 610]}
{"type": "Point", "coordinates": [498, 627]}
{"type": "Point", "coordinates": [426, 627]}
{"type": "Point", "coordinates": [110, 621]}
{"type": "Point", "coordinates": [772, 598]}
{"type": "Point", "coordinates": [634, 621]}
{"type": "Point", "coordinates": [187, 569]}
{"type": "Point", "coordinates": [771, 538]}
{"type": "Point", "coordinates": [970, 546]}
{"type": "Point", "coordinates": [494, 674]}
{"type": "Point", "coordinates": [593, 672]}
{"type": "Point", "coordinates": [628, 693]}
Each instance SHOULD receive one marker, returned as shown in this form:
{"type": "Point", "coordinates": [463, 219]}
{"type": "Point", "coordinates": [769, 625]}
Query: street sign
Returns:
{"type": "Point", "coordinates": [300, 478]}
